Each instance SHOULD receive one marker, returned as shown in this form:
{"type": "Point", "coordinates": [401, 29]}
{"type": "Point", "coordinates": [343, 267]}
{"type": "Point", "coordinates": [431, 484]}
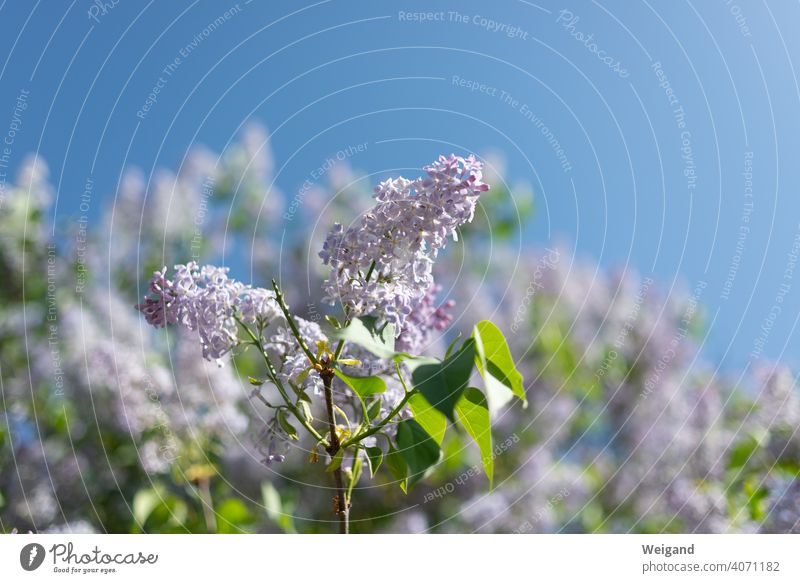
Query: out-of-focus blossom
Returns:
{"type": "Point", "coordinates": [783, 513]}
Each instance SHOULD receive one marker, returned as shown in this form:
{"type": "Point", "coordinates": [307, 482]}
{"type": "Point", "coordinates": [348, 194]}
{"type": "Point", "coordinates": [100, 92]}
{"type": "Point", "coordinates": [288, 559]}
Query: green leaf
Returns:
{"type": "Point", "coordinates": [363, 387]}
{"type": "Point", "coordinates": [286, 426]}
{"type": "Point", "coordinates": [374, 409]}
{"type": "Point", "coordinates": [746, 449]}
{"type": "Point", "coordinates": [303, 375]}
{"type": "Point", "coordinates": [374, 459]}
{"type": "Point", "coordinates": [494, 361]}
{"type": "Point", "coordinates": [442, 384]}
{"type": "Point", "coordinates": [159, 508]}
{"type": "Point", "coordinates": [473, 414]}
{"type": "Point", "coordinates": [277, 511]}
{"type": "Point", "coordinates": [353, 478]}
{"type": "Point", "coordinates": [336, 462]}
{"type": "Point", "coordinates": [305, 408]}
{"type": "Point", "coordinates": [756, 497]}
{"type": "Point", "coordinates": [397, 467]}
{"type": "Point", "coordinates": [452, 346]}
{"type": "Point", "coordinates": [232, 514]}
{"type": "Point", "coordinates": [364, 333]}
{"type": "Point", "coordinates": [145, 502]}
{"type": "Point", "coordinates": [430, 418]}
{"type": "Point", "coordinates": [412, 363]}
{"type": "Point", "coordinates": [418, 449]}
{"type": "Point", "coordinates": [349, 361]}
{"type": "Point", "coordinates": [271, 500]}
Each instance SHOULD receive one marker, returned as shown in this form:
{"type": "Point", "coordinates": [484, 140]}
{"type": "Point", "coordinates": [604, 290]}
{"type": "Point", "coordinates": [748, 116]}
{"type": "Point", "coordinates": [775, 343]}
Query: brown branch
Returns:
{"type": "Point", "coordinates": [339, 502]}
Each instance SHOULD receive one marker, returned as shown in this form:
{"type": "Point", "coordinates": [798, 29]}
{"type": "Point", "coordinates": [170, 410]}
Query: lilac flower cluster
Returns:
{"type": "Point", "coordinates": [383, 264]}
{"type": "Point", "coordinates": [207, 300]}
{"type": "Point", "coordinates": [423, 320]}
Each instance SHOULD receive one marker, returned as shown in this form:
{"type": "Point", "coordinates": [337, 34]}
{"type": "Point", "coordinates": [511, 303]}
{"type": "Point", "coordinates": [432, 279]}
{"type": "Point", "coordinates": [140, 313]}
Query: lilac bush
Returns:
{"type": "Point", "coordinates": [382, 275]}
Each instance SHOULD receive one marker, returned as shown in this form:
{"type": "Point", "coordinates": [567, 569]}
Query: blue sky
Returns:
{"type": "Point", "coordinates": [634, 121]}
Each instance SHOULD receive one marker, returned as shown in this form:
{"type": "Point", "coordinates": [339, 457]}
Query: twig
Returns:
{"type": "Point", "coordinates": [340, 502]}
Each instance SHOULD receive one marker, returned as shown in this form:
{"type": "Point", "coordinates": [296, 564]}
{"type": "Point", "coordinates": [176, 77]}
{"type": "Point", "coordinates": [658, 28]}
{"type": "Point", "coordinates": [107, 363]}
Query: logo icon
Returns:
{"type": "Point", "coordinates": [31, 556]}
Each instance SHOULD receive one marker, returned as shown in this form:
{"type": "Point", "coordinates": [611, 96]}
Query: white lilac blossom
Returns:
{"type": "Point", "coordinates": [208, 301]}
{"type": "Point", "coordinates": [382, 265]}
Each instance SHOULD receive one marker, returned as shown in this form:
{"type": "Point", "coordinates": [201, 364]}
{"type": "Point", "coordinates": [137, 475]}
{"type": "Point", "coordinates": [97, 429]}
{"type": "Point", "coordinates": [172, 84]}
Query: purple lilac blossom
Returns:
{"type": "Point", "coordinates": [424, 319]}
{"type": "Point", "coordinates": [397, 241]}
{"type": "Point", "coordinates": [783, 514]}
{"type": "Point", "coordinates": [206, 300]}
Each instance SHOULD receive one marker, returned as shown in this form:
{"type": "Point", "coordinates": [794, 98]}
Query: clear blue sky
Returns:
{"type": "Point", "coordinates": [635, 138]}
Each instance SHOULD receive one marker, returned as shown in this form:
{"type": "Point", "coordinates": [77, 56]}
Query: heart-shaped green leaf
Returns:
{"type": "Point", "coordinates": [363, 387]}
{"type": "Point", "coordinates": [431, 419]}
{"type": "Point", "coordinates": [374, 459]}
{"type": "Point", "coordinates": [417, 448]}
{"type": "Point", "coordinates": [473, 415]}
{"type": "Point", "coordinates": [494, 361]}
{"type": "Point", "coordinates": [442, 384]}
